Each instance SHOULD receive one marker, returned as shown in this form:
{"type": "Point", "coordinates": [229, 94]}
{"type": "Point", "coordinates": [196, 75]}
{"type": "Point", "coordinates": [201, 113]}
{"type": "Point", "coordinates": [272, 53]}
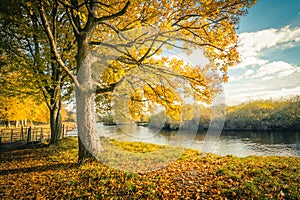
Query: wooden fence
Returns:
{"type": "Point", "coordinates": [29, 135]}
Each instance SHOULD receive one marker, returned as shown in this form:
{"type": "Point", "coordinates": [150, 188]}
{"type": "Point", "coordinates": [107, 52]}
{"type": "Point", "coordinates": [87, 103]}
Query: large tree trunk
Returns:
{"type": "Point", "coordinates": [88, 137]}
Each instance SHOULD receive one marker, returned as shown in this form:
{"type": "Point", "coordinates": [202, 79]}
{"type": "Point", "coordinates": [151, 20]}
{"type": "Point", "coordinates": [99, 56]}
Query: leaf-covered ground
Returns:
{"type": "Point", "coordinates": [53, 173]}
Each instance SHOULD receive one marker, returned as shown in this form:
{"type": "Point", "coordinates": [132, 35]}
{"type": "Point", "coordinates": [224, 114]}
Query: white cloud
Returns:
{"type": "Point", "coordinates": [267, 78]}
{"type": "Point", "coordinates": [243, 89]}
{"type": "Point", "coordinates": [195, 58]}
{"type": "Point", "coordinates": [248, 72]}
{"type": "Point", "coordinates": [274, 84]}
{"type": "Point", "coordinates": [232, 79]}
{"type": "Point", "coordinates": [258, 78]}
{"type": "Point", "coordinates": [279, 67]}
{"type": "Point", "coordinates": [261, 94]}
{"type": "Point", "coordinates": [250, 61]}
{"type": "Point", "coordinates": [254, 42]}
{"type": "Point", "coordinates": [278, 93]}
{"type": "Point", "coordinates": [268, 71]}
{"type": "Point", "coordinates": [245, 75]}
{"type": "Point", "coordinates": [286, 72]}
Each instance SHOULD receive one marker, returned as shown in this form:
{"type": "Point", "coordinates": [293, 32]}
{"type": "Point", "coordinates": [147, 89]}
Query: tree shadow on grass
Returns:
{"type": "Point", "coordinates": [44, 168]}
{"type": "Point", "coordinates": [8, 147]}
{"type": "Point", "coordinates": [21, 154]}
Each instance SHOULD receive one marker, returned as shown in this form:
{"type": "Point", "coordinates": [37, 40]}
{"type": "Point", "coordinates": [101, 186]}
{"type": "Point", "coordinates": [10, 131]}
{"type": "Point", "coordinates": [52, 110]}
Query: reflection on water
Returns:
{"type": "Point", "coordinates": [244, 143]}
{"type": "Point", "coordinates": [238, 143]}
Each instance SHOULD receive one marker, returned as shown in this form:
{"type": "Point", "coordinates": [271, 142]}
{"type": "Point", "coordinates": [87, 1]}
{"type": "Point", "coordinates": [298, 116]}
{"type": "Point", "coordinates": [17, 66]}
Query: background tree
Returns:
{"type": "Point", "coordinates": [29, 110]}
{"type": "Point", "coordinates": [24, 42]}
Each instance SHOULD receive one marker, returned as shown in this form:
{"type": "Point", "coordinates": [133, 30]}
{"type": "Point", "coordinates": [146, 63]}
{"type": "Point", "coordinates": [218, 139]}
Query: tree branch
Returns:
{"type": "Point", "coordinates": [110, 88]}
{"type": "Point", "coordinates": [121, 12]}
{"type": "Point", "coordinates": [72, 22]}
{"type": "Point", "coordinates": [53, 44]}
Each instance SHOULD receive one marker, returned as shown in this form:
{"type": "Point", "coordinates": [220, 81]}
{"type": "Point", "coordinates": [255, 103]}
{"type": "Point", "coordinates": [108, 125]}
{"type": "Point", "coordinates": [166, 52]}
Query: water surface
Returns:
{"type": "Point", "coordinates": [238, 143]}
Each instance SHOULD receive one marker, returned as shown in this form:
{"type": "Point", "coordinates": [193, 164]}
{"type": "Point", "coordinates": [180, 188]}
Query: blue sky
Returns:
{"type": "Point", "coordinates": [270, 53]}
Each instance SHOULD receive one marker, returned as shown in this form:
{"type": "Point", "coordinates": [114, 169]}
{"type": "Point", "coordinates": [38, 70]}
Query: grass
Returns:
{"type": "Point", "coordinates": [126, 171]}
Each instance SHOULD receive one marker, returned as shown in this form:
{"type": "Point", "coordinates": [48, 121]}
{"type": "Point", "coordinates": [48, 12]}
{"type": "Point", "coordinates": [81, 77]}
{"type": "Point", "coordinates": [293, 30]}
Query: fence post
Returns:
{"type": "Point", "coordinates": [11, 135]}
{"type": "Point", "coordinates": [32, 135]}
{"type": "Point", "coordinates": [63, 131]}
{"type": "Point", "coordinates": [41, 136]}
{"type": "Point", "coordinates": [29, 135]}
{"type": "Point", "coordinates": [22, 133]}
{"type": "Point", "coordinates": [67, 131]}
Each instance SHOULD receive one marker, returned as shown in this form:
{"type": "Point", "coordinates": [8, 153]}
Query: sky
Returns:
{"type": "Point", "coordinates": [269, 47]}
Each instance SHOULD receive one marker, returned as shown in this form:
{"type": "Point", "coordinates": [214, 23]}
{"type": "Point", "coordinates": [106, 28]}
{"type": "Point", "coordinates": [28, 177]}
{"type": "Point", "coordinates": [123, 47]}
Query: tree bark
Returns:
{"type": "Point", "coordinates": [88, 138]}
{"type": "Point", "coordinates": [7, 123]}
{"type": "Point", "coordinates": [55, 124]}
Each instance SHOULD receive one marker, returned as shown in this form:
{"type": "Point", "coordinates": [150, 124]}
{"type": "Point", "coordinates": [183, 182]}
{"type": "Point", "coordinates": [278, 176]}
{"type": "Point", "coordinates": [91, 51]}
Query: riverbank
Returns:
{"type": "Point", "coordinates": [53, 172]}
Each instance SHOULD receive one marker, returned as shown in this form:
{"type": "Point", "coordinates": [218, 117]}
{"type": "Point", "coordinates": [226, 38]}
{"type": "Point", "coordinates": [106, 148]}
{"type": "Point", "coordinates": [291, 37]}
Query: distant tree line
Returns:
{"type": "Point", "coordinates": [270, 114]}
{"type": "Point", "coordinates": [19, 111]}
{"type": "Point", "coordinates": [282, 114]}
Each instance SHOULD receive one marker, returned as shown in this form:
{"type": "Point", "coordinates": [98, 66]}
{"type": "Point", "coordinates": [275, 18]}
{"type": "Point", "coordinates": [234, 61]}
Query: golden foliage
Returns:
{"type": "Point", "coordinates": [137, 40]}
{"type": "Point", "coordinates": [14, 108]}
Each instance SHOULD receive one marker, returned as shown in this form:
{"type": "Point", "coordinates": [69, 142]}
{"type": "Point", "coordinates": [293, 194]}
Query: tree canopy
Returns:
{"type": "Point", "coordinates": [118, 47]}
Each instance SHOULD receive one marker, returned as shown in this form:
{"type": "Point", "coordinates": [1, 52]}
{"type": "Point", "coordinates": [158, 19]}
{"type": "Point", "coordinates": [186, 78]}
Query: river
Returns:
{"type": "Point", "coordinates": [237, 143]}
